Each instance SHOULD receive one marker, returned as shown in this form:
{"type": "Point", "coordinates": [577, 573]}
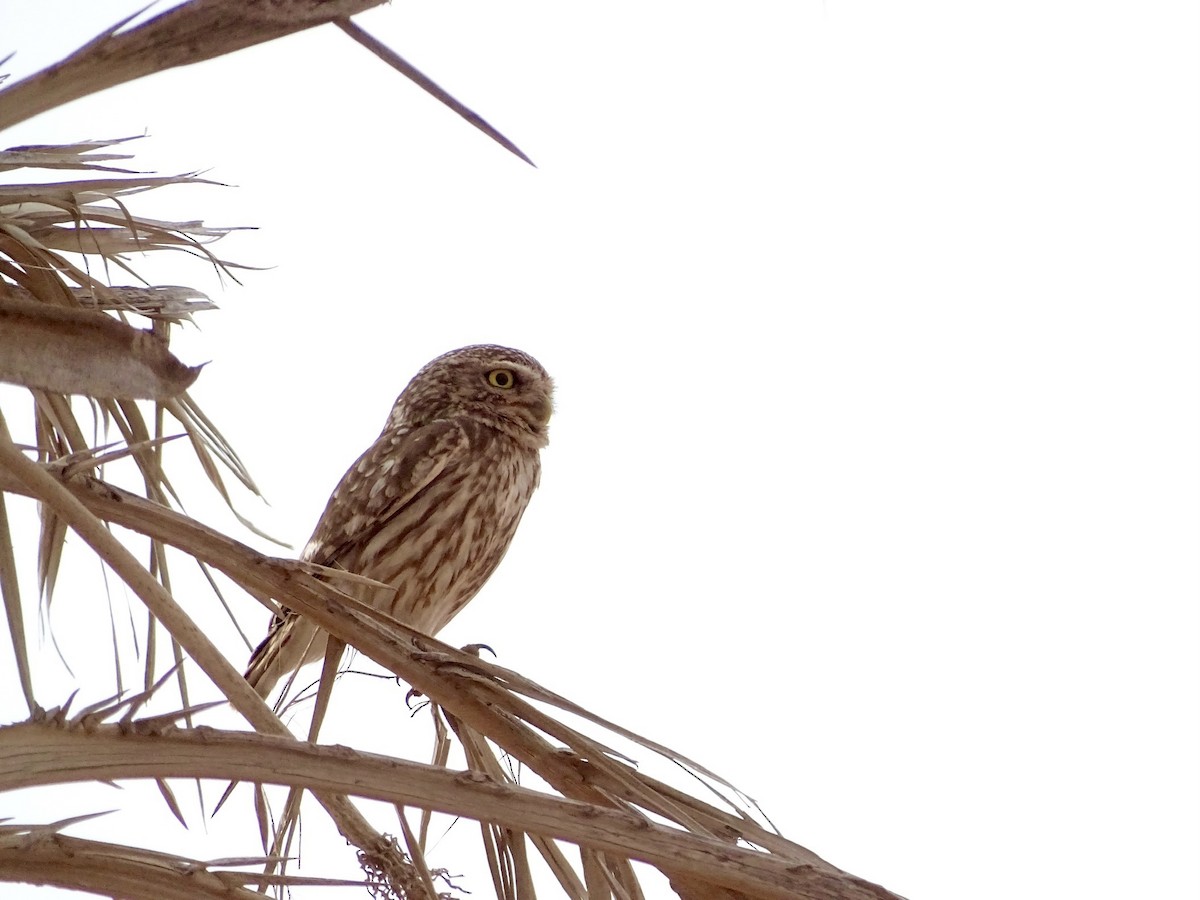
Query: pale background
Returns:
{"type": "Point", "coordinates": [873, 482]}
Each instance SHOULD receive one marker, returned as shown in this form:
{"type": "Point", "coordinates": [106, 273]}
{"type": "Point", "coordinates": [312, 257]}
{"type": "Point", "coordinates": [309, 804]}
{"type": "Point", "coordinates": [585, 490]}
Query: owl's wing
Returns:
{"type": "Point", "coordinates": [394, 470]}
{"type": "Point", "coordinates": [397, 467]}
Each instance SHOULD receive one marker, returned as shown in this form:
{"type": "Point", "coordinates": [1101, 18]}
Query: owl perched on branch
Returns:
{"type": "Point", "coordinates": [433, 504]}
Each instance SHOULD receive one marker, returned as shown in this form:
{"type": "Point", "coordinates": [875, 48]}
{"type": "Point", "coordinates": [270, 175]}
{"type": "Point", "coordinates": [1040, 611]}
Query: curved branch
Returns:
{"type": "Point", "coordinates": [56, 860]}
{"type": "Point", "coordinates": [447, 677]}
{"type": "Point", "coordinates": [33, 754]}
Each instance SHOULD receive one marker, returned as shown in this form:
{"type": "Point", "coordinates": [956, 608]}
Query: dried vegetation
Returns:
{"type": "Point", "coordinates": [63, 332]}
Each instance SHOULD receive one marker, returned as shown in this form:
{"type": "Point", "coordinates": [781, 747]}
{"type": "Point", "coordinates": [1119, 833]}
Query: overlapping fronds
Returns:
{"type": "Point", "coordinates": [607, 805]}
{"type": "Point", "coordinates": [66, 329]}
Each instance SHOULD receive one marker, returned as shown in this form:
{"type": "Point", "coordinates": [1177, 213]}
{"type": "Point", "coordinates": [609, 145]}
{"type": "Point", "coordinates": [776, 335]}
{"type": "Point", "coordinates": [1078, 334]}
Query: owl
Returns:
{"type": "Point", "coordinates": [431, 507]}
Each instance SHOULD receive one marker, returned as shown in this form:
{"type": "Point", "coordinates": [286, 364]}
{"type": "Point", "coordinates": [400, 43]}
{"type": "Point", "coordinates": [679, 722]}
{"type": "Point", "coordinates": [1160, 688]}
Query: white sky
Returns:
{"type": "Point", "coordinates": [873, 482]}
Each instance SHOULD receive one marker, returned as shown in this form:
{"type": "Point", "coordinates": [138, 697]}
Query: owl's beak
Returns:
{"type": "Point", "coordinates": [542, 411]}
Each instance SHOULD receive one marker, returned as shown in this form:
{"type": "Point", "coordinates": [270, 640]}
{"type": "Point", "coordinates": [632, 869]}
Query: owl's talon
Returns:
{"type": "Point", "coordinates": [474, 649]}
{"type": "Point", "coordinates": [412, 694]}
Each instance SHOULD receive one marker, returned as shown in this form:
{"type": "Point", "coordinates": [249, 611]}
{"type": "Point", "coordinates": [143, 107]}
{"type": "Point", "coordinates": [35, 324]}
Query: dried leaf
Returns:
{"type": "Point", "coordinates": [51, 538]}
{"type": "Point", "coordinates": [189, 33]}
{"type": "Point", "coordinates": [73, 351]}
{"type": "Point", "coordinates": [427, 84]}
{"type": "Point", "coordinates": [63, 156]}
{"type": "Point", "coordinates": [172, 803]}
{"type": "Point", "coordinates": [10, 589]}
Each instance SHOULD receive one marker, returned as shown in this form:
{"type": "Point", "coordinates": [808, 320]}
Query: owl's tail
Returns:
{"type": "Point", "coordinates": [291, 642]}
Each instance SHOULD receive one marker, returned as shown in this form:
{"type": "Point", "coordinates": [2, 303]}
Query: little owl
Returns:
{"type": "Point", "coordinates": [431, 507]}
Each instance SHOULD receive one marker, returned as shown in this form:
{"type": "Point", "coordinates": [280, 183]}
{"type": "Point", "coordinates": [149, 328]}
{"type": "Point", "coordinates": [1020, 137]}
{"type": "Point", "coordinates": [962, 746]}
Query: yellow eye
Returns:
{"type": "Point", "coordinates": [502, 378]}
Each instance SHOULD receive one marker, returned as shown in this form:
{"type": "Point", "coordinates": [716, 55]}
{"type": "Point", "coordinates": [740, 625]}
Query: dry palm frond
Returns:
{"type": "Point", "coordinates": [165, 302]}
{"type": "Point", "coordinates": [11, 592]}
{"type": "Point", "coordinates": [43, 855]}
{"type": "Point", "coordinates": [189, 33]}
{"type": "Point", "coordinates": [64, 156]}
{"type": "Point", "coordinates": [427, 84]}
{"type": "Point", "coordinates": [697, 842]}
{"type": "Point", "coordinates": [56, 240]}
{"type": "Point", "coordinates": [75, 351]}
{"type": "Point", "coordinates": [193, 32]}
{"type": "Point", "coordinates": [64, 331]}
{"type": "Point", "coordinates": [56, 750]}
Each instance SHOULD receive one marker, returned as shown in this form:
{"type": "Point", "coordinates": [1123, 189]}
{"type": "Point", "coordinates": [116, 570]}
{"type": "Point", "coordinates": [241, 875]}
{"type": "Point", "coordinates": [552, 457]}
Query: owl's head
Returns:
{"type": "Point", "coordinates": [497, 386]}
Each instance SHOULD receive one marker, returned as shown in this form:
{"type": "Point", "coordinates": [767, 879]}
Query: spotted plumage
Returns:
{"type": "Point", "coordinates": [433, 504]}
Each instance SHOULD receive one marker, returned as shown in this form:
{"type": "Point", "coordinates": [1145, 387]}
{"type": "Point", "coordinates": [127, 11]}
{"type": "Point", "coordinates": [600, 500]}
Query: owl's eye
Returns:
{"type": "Point", "coordinates": [502, 378]}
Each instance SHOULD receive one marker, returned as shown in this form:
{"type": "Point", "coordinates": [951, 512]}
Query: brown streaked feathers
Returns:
{"type": "Point", "coordinates": [431, 507]}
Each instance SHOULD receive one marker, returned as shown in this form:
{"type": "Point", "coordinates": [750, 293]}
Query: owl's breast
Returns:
{"type": "Point", "coordinates": [447, 541]}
